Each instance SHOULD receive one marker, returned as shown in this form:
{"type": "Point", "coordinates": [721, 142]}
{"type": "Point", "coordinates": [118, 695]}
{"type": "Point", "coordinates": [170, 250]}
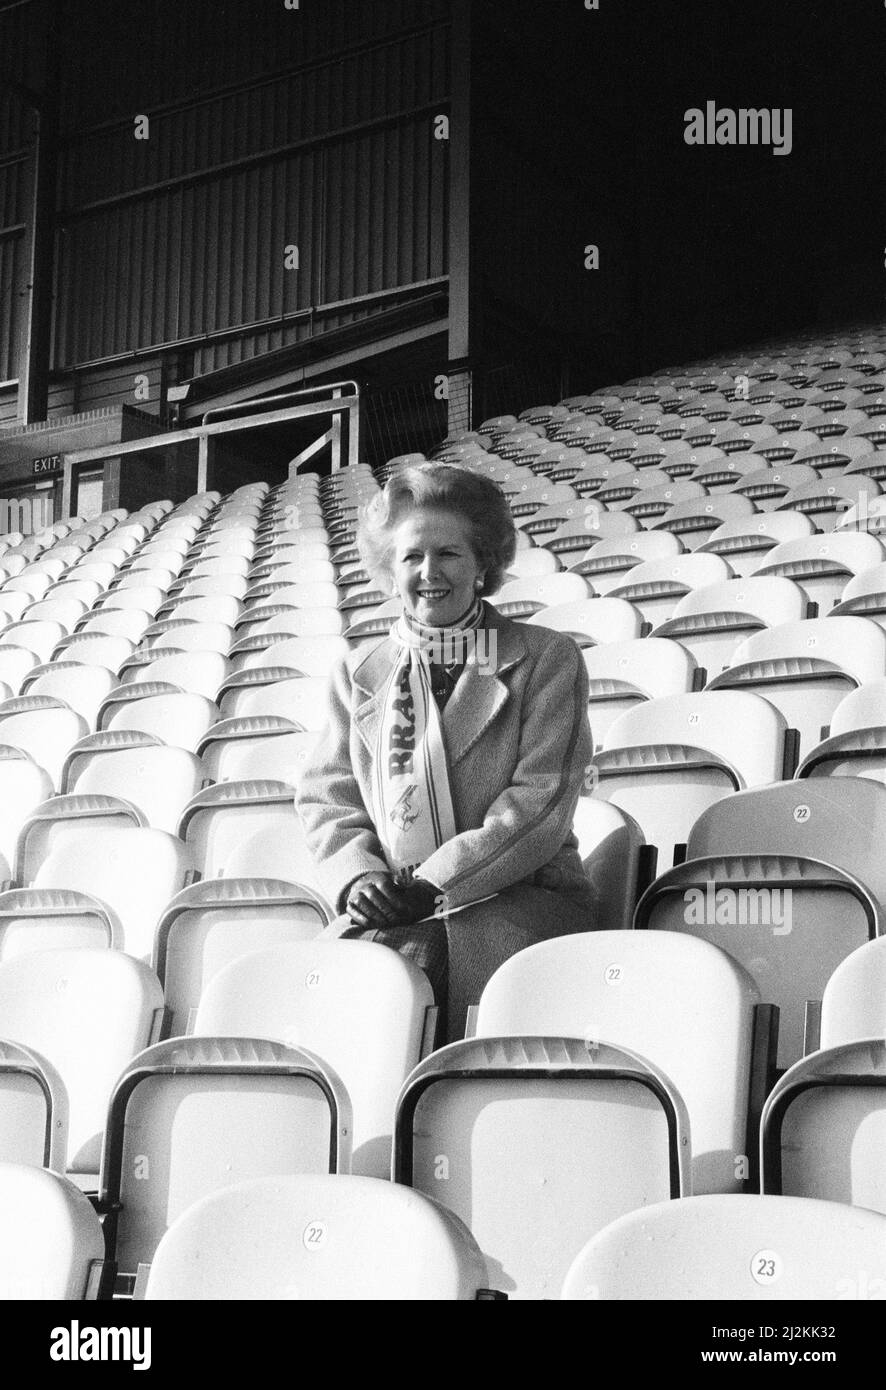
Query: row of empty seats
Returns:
{"type": "Point", "coordinates": [606, 1072]}
{"type": "Point", "coordinates": [350, 1238]}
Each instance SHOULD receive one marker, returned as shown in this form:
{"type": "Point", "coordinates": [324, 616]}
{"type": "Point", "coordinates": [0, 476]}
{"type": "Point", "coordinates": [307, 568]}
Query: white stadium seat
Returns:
{"type": "Point", "coordinates": [721, 1248]}
{"type": "Point", "coordinates": [360, 1007]}
{"type": "Point", "coordinates": [88, 1012]}
{"type": "Point", "coordinates": [386, 1244]}
{"type": "Point", "coordinates": [53, 1247]}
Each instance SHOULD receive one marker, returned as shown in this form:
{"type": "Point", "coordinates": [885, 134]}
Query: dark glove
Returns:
{"type": "Point", "coordinates": [417, 899]}
{"type": "Point", "coordinates": [374, 901]}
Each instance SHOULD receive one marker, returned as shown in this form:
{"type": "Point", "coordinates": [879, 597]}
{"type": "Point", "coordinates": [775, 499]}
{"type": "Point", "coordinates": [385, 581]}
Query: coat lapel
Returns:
{"type": "Point", "coordinates": [477, 699]}
{"type": "Point", "coordinates": [372, 677]}
{"type": "Point", "coordinates": [481, 693]}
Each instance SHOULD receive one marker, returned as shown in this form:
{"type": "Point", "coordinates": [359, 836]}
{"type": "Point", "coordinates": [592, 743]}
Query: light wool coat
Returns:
{"type": "Point", "coordinates": [518, 745]}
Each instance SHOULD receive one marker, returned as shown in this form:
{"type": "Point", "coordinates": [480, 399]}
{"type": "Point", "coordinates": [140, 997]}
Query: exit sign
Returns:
{"type": "Point", "coordinates": [49, 463]}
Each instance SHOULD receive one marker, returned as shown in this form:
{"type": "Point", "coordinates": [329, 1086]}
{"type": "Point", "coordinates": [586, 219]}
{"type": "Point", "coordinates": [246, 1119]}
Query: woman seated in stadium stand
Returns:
{"type": "Point", "coordinates": [438, 803]}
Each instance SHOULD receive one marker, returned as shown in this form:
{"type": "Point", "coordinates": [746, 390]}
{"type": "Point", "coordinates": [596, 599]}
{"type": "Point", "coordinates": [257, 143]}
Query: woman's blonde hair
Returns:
{"type": "Point", "coordinates": [441, 487]}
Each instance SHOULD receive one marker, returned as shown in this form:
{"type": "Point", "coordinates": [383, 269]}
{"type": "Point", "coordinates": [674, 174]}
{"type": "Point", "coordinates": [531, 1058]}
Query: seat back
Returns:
{"type": "Point", "coordinates": [220, 609]}
{"type": "Point", "coordinates": [52, 1238]}
{"type": "Point", "coordinates": [788, 920]}
{"type": "Point", "coordinates": [31, 919]}
{"type": "Point", "coordinates": [853, 1005]}
{"type": "Point", "coordinates": [88, 1012]}
{"type": "Point", "coordinates": [279, 621]}
{"type": "Point", "coordinates": [322, 595]}
{"type": "Point", "coordinates": [36, 635]}
{"type": "Point", "coordinates": [341, 1238]}
{"type": "Point", "coordinates": [312, 656]}
{"type": "Point", "coordinates": [96, 648]}
{"type": "Point", "coordinates": [518, 598]}
{"type": "Point", "coordinates": [359, 1006]}
{"type": "Point", "coordinates": [747, 1248]}
{"type": "Point", "coordinates": [159, 781]}
{"type": "Point", "coordinates": [536, 1143]}
{"type": "Point", "coordinates": [59, 816]}
{"type": "Point", "coordinates": [201, 672]}
{"type": "Point", "coordinates": [216, 921]}
{"type": "Point", "coordinates": [824, 1127]}
{"type": "Point", "coordinates": [301, 699]}
{"type": "Point", "coordinates": [712, 622]}
{"type": "Point", "coordinates": [33, 1109]}
{"type": "Point", "coordinates": [604, 564]}
{"type": "Point", "coordinates": [221, 819]}
{"type": "Point", "coordinates": [177, 717]}
{"type": "Point", "coordinates": [151, 576]}
{"type": "Point", "coordinates": [827, 499]}
{"type": "Point", "coordinates": [157, 556]}
{"type": "Point", "coordinates": [823, 564]}
{"type": "Point", "coordinates": [131, 623]}
{"type": "Point", "coordinates": [856, 745]}
{"type": "Point", "coordinates": [134, 871]}
{"type": "Point", "coordinates": [806, 668]}
{"type": "Point", "coordinates": [655, 586]}
{"type": "Point", "coordinates": [611, 846]}
{"type": "Point", "coordinates": [685, 1005]}
{"type": "Point", "coordinates": [185, 635]}
{"type": "Point", "coordinates": [15, 663]}
{"type": "Point", "coordinates": [592, 621]}
{"type": "Point", "coordinates": [23, 786]}
{"type": "Point", "coordinates": [265, 854]}
{"type": "Point", "coordinates": [530, 563]}
{"type": "Point", "coordinates": [256, 747]}
{"type": "Point", "coordinates": [42, 727]}
{"type": "Point", "coordinates": [145, 598]}
{"type": "Point", "coordinates": [218, 564]}
{"type": "Point", "coordinates": [82, 687]}
{"type": "Point", "coordinates": [623, 674]}
{"type": "Point", "coordinates": [841, 821]}
{"type": "Point", "coordinates": [666, 760]}
{"type": "Point", "coordinates": [192, 1115]}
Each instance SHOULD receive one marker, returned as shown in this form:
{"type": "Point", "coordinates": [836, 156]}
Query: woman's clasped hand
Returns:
{"type": "Point", "coordinates": [376, 900]}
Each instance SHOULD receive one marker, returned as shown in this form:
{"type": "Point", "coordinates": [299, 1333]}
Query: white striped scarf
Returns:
{"type": "Point", "coordinates": [412, 803]}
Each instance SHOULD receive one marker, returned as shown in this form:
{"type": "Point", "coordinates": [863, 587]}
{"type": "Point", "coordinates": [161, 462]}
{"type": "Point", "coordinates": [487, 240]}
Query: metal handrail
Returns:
{"type": "Point", "coordinates": [332, 403]}
{"type": "Point", "coordinates": [327, 387]}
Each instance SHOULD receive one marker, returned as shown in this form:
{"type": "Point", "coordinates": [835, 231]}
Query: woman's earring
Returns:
{"type": "Point", "coordinates": [478, 584]}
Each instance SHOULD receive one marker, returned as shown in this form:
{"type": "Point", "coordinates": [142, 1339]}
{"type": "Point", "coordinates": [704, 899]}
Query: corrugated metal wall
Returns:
{"type": "Point", "coordinates": [184, 233]}
{"type": "Point", "coordinates": [125, 57]}
{"type": "Point", "coordinates": [268, 128]}
{"type": "Point", "coordinates": [22, 60]}
{"type": "Point", "coordinates": [13, 137]}
{"type": "Point", "coordinates": [10, 281]}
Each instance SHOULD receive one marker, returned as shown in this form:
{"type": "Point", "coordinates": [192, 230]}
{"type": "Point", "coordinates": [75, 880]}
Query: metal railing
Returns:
{"type": "Point", "coordinates": [339, 399]}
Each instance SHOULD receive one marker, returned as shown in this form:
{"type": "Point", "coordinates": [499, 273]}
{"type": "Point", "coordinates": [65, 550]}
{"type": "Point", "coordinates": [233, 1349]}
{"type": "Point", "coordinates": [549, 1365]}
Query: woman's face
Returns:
{"type": "Point", "coordinates": [434, 565]}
